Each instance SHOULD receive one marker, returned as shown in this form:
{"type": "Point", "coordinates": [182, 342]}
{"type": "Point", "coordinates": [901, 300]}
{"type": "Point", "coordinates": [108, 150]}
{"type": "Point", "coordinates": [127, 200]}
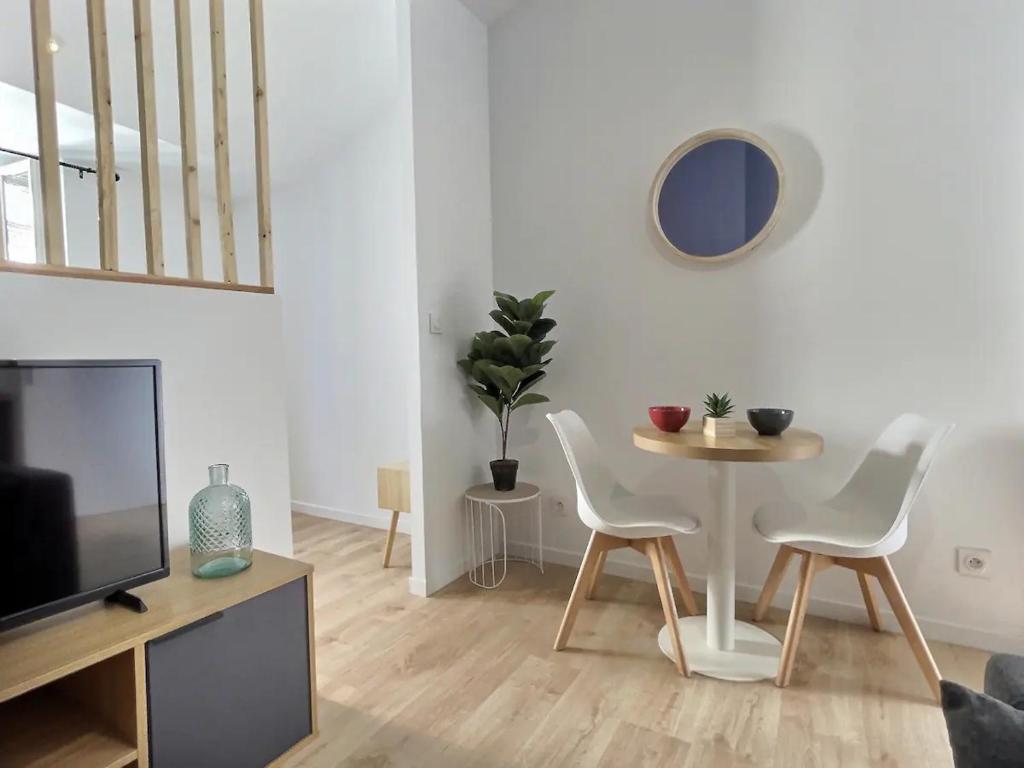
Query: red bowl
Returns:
{"type": "Point", "coordinates": [669, 418]}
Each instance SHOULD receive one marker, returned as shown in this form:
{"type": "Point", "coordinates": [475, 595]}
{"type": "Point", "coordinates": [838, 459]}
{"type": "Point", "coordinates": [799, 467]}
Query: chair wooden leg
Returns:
{"type": "Point", "coordinates": [869, 601]}
{"type": "Point", "coordinates": [583, 579]}
{"type": "Point", "coordinates": [598, 569]}
{"type": "Point", "coordinates": [908, 623]}
{"type": "Point", "coordinates": [672, 555]}
{"type": "Point", "coordinates": [771, 584]}
{"type": "Point", "coordinates": [390, 541]}
{"type": "Point", "coordinates": [808, 566]}
{"type": "Point", "coordinates": [656, 552]}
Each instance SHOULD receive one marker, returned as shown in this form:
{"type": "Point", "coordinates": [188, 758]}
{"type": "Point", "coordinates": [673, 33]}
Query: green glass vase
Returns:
{"type": "Point", "coordinates": [220, 527]}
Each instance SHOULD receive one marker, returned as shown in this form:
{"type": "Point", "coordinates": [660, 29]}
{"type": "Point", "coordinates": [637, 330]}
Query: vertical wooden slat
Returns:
{"type": "Point", "coordinates": [144, 78]}
{"type": "Point", "coordinates": [220, 140]}
{"type": "Point", "coordinates": [187, 123]}
{"type": "Point", "coordinates": [46, 127]}
{"type": "Point", "coordinates": [259, 101]}
{"type": "Point", "coordinates": [103, 119]}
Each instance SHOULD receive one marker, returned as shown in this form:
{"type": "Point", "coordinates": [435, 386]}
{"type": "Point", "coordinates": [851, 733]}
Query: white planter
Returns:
{"type": "Point", "coordinates": [719, 427]}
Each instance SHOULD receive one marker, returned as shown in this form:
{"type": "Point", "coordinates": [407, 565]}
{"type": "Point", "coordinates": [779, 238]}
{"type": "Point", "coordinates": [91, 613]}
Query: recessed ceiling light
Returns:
{"type": "Point", "coordinates": [54, 44]}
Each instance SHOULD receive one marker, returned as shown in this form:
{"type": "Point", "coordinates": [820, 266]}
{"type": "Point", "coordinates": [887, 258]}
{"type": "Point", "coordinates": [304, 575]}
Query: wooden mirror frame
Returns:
{"type": "Point", "coordinates": [688, 146]}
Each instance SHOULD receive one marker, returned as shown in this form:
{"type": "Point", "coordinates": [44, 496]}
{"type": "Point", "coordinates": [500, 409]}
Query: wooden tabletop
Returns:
{"type": "Point", "coordinates": [486, 493]}
{"type": "Point", "coordinates": [746, 445]}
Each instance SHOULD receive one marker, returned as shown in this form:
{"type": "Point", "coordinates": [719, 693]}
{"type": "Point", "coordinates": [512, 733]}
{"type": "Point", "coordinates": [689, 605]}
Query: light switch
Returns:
{"type": "Point", "coordinates": [433, 322]}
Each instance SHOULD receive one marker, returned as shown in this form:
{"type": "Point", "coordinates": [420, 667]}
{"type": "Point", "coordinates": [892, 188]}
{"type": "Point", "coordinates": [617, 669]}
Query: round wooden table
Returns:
{"type": "Point", "coordinates": [717, 645]}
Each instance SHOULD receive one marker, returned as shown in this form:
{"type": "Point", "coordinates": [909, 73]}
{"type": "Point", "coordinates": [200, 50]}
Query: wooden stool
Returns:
{"type": "Point", "coordinates": [393, 494]}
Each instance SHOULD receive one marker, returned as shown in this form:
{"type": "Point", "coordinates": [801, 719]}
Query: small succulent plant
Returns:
{"type": "Point", "coordinates": [718, 406]}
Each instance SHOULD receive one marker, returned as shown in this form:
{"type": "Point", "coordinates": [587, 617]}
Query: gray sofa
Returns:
{"type": "Point", "coordinates": [986, 730]}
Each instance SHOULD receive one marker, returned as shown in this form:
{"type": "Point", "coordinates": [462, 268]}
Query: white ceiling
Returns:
{"type": "Point", "coordinates": [489, 11]}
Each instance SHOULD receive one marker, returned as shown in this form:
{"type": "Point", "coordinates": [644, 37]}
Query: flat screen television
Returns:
{"type": "Point", "coordinates": [82, 501]}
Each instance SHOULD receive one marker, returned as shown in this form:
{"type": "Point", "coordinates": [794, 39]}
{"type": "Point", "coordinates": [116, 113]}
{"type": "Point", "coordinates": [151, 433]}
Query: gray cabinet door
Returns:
{"type": "Point", "coordinates": [232, 690]}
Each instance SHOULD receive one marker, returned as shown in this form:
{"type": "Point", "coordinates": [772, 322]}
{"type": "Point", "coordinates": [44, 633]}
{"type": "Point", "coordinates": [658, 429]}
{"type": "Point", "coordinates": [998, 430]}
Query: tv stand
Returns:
{"type": "Point", "coordinates": [230, 662]}
{"type": "Point", "coordinates": [128, 600]}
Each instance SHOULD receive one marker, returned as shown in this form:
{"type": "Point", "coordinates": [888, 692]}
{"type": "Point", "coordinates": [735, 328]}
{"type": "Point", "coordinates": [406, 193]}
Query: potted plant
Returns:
{"type": "Point", "coordinates": [716, 416]}
{"type": "Point", "coordinates": [503, 365]}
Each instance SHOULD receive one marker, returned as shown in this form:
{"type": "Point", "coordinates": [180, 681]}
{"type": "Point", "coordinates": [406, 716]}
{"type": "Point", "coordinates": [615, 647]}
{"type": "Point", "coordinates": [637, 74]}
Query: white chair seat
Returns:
{"type": "Point", "coordinates": [827, 529]}
{"type": "Point", "coordinates": [631, 516]}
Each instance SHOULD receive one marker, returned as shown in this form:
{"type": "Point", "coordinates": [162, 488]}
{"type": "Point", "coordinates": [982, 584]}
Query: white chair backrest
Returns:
{"type": "Point", "coordinates": [889, 478]}
{"type": "Point", "coordinates": [595, 484]}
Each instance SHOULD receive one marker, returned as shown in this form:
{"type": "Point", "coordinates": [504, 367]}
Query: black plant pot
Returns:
{"type": "Point", "coordinates": [504, 473]}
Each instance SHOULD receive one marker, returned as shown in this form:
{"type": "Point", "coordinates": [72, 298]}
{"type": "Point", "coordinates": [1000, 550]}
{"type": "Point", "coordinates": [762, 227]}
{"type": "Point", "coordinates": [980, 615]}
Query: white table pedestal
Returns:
{"type": "Point", "coordinates": [717, 645]}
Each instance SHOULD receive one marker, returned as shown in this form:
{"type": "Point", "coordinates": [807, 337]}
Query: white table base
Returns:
{"type": "Point", "coordinates": [755, 655]}
{"type": "Point", "coordinates": [717, 645]}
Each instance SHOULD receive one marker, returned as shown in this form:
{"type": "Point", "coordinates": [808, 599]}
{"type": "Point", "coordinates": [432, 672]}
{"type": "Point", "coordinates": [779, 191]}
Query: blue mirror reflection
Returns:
{"type": "Point", "coordinates": [718, 197]}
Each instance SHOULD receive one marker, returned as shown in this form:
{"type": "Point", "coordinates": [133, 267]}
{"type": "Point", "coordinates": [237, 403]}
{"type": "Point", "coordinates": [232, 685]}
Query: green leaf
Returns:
{"type": "Point", "coordinates": [481, 373]}
{"type": "Point", "coordinates": [492, 403]}
{"type": "Point", "coordinates": [718, 406]}
{"type": "Point", "coordinates": [509, 306]}
{"type": "Point", "coordinates": [509, 325]}
{"type": "Point", "coordinates": [483, 390]}
{"type": "Point", "coordinates": [529, 370]}
{"type": "Point", "coordinates": [510, 374]}
{"type": "Point", "coordinates": [513, 347]}
{"type": "Point", "coordinates": [483, 343]}
{"type": "Point", "coordinates": [529, 311]}
{"type": "Point", "coordinates": [530, 399]}
{"type": "Point", "coordinates": [542, 328]}
{"type": "Point", "coordinates": [544, 347]}
{"type": "Point", "coordinates": [542, 297]}
{"type": "Point", "coordinates": [530, 380]}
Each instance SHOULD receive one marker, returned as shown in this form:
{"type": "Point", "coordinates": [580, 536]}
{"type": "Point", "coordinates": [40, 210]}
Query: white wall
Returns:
{"type": "Point", "coordinates": [347, 303]}
{"type": "Point", "coordinates": [347, 288]}
{"type": "Point", "coordinates": [222, 358]}
{"type": "Point", "coordinates": [893, 283]}
{"type": "Point", "coordinates": [453, 264]}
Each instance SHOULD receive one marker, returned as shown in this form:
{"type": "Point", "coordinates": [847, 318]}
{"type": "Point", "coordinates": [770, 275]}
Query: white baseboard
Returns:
{"type": "Point", "coordinates": [417, 587]}
{"type": "Point", "coordinates": [830, 609]}
{"type": "Point", "coordinates": [377, 519]}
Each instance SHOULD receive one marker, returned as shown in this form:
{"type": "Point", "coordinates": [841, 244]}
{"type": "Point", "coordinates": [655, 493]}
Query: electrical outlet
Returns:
{"type": "Point", "coordinates": [434, 323]}
{"type": "Point", "coordinates": [973, 562]}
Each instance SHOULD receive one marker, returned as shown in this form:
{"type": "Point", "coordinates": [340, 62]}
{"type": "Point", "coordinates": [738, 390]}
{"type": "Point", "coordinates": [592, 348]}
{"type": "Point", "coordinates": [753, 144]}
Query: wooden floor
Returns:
{"type": "Point", "coordinates": [468, 678]}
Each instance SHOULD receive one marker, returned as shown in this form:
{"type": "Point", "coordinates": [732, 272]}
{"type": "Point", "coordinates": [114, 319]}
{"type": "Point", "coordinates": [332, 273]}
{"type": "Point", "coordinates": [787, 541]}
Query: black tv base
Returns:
{"type": "Point", "coordinates": [128, 600]}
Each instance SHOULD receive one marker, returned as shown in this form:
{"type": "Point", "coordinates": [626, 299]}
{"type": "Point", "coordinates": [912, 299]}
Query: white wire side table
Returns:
{"type": "Point", "coordinates": [487, 531]}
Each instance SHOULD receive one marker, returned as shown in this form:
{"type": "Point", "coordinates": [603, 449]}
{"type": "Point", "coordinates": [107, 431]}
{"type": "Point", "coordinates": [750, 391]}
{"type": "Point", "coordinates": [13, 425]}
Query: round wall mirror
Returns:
{"type": "Point", "coordinates": [717, 196]}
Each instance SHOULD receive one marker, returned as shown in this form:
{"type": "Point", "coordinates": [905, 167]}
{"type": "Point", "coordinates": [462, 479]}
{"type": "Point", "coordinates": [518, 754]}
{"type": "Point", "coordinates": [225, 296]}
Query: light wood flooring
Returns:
{"type": "Point", "coordinates": [468, 678]}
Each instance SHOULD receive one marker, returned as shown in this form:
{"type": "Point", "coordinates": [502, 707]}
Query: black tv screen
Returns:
{"type": "Point", "coordinates": [81, 483]}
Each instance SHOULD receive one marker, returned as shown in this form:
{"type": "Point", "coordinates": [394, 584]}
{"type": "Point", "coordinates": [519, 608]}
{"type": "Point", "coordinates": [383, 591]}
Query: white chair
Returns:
{"type": "Point", "coordinates": [858, 528]}
{"type": "Point", "coordinates": [618, 519]}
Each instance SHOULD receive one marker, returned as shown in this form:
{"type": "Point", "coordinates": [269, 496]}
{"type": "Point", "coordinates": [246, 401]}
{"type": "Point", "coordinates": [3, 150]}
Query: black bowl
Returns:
{"type": "Point", "coordinates": [769, 422]}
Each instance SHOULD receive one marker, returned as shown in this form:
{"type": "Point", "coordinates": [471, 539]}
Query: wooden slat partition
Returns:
{"type": "Point", "coordinates": [145, 84]}
{"type": "Point", "coordinates": [103, 120]}
{"type": "Point", "coordinates": [46, 127]}
{"type": "Point", "coordinates": [124, 277]}
{"type": "Point", "coordinates": [189, 152]}
{"type": "Point", "coordinates": [220, 141]}
{"type": "Point", "coordinates": [259, 101]}
{"type": "Point", "coordinates": [50, 214]}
